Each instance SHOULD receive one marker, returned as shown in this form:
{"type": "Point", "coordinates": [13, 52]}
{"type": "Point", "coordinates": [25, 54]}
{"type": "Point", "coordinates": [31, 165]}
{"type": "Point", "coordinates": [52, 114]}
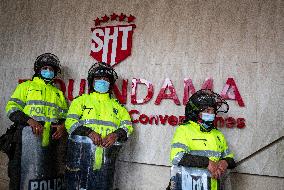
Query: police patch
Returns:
{"type": "Point", "coordinates": [115, 111]}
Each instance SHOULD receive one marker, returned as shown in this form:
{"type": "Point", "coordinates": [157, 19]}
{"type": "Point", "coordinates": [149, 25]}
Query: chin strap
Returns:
{"type": "Point", "coordinates": [47, 81]}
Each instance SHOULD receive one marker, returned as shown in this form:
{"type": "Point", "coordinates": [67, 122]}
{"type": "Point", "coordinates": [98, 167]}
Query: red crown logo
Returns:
{"type": "Point", "coordinates": [114, 17]}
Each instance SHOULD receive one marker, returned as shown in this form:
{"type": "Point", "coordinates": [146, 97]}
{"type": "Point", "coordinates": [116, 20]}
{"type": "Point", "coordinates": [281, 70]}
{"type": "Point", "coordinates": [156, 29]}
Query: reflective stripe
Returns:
{"type": "Point", "coordinates": [73, 127]}
{"type": "Point", "coordinates": [125, 122]}
{"type": "Point", "coordinates": [122, 126]}
{"type": "Point", "coordinates": [12, 111]}
{"type": "Point", "coordinates": [207, 153]}
{"type": "Point", "coordinates": [177, 158]}
{"type": "Point", "coordinates": [43, 118]}
{"type": "Point", "coordinates": [98, 122]}
{"type": "Point", "coordinates": [180, 145]}
{"type": "Point", "coordinates": [226, 153]}
{"type": "Point", "coordinates": [18, 101]}
{"type": "Point", "coordinates": [43, 103]}
{"type": "Point", "coordinates": [73, 116]}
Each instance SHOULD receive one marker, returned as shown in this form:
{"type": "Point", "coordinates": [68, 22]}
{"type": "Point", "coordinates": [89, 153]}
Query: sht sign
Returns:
{"type": "Point", "coordinates": [112, 44]}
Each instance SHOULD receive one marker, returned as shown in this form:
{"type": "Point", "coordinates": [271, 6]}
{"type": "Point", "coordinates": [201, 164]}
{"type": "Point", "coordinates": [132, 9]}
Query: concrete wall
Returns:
{"type": "Point", "coordinates": [173, 39]}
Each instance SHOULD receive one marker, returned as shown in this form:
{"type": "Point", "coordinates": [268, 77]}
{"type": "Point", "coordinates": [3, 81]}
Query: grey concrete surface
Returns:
{"type": "Point", "coordinates": [250, 182]}
{"type": "Point", "coordinates": [173, 39]}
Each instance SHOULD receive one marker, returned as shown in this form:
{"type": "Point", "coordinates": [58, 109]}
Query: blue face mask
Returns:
{"type": "Point", "coordinates": [208, 117]}
{"type": "Point", "coordinates": [101, 86]}
{"type": "Point", "coordinates": [47, 74]}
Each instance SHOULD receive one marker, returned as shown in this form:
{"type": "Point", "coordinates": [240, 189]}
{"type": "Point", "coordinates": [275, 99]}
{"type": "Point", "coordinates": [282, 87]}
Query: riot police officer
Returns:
{"type": "Point", "coordinates": [38, 104]}
{"type": "Point", "coordinates": [198, 149]}
{"type": "Point", "coordinates": [99, 119]}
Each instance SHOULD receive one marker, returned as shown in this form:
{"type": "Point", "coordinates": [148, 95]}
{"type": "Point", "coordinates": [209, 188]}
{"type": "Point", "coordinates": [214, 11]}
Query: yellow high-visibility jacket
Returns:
{"type": "Point", "coordinates": [188, 138]}
{"type": "Point", "coordinates": [101, 113]}
{"type": "Point", "coordinates": [40, 101]}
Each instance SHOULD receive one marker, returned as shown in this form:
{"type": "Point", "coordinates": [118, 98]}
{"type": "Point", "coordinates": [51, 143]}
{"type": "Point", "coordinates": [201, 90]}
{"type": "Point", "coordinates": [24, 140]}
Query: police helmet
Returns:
{"type": "Point", "coordinates": [101, 69]}
{"type": "Point", "coordinates": [201, 100]}
{"type": "Point", "coordinates": [47, 59]}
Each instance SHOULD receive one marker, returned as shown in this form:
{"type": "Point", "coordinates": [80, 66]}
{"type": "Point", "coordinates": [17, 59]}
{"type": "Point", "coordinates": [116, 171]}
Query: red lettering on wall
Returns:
{"type": "Point", "coordinates": [121, 96]}
{"type": "Point", "coordinates": [163, 119]}
{"type": "Point", "coordinates": [82, 87]}
{"type": "Point", "coordinates": [231, 92]}
{"type": "Point", "coordinates": [70, 90]}
{"type": "Point", "coordinates": [173, 120]}
{"type": "Point", "coordinates": [70, 95]}
{"type": "Point", "coordinates": [241, 123]}
{"type": "Point", "coordinates": [208, 84]}
{"type": "Point", "coordinates": [181, 119]}
{"type": "Point", "coordinates": [219, 122]}
{"type": "Point", "coordinates": [162, 94]}
{"type": "Point", "coordinates": [153, 118]}
{"type": "Point", "coordinates": [131, 112]}
{"type": "Point", "coordinates": [150, 90]}
{"type": "Point", "coordinates": [144, 119]}
{"type": "Point", "coordinates": [230, 122]}
{"type": "Point", "coordinates": [188, 90]}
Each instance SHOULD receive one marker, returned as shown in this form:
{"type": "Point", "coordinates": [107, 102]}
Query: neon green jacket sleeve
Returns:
{"type": "Point", "coordinates": [179, 145]}
{"type": "Point", "coordinates": [63, 105]}
{"type": "Point", "coordinates": [125, 122]}
{"type": "Point", "coordinates": [74, 113]}
{"type": "Point", "coordinates": [226, 153]}
{"type": "Point", "coordinates": [18, 99]}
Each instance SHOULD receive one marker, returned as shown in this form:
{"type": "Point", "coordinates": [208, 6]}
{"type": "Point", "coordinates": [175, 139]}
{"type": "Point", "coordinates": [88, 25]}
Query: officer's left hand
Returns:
{"type": "Point", "coordinates": [222, 166]}
{"type": "Point", "coordinates": [109, 140]}
{"type": "Point", "coordinates": [60, 131]}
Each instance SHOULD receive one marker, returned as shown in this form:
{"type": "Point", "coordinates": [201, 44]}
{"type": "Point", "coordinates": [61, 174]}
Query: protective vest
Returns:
{"type": "Point", "coordinates": [101, 113]}
{"type": "Point", "coordinates": [40, 101]}
{"type": "Point", "coordinates": [188, 138]}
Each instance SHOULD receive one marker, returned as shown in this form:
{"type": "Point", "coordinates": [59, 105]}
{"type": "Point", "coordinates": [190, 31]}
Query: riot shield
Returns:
{"type": "Point", "coordinates": [42, 168]}
{"type": "Point", "coordinates": [79, 165]}
{"type": "Point", "coordinates": [190, 178]}
{"type": "Point", "coordinates": [81, 173]}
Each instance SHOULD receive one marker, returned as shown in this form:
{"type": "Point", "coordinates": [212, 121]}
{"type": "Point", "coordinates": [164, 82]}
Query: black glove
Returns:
{"type": "Point", "coordinates": [121, 134]}
{"type": "Point", "coordinates": [19, 117]}
{"type": "Point", "coordinates": [7, 141]}
{"type": "Point", "coordinates": [82, 131]}
{"type": "Point", "coordinates": [231, 162]}
{"type": "Point", "coordinates": [189, 160]}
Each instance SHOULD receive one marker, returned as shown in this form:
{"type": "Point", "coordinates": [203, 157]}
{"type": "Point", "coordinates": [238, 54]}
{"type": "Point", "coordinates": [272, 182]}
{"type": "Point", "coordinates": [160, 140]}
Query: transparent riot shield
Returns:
{"type": "Point", "coordinates": [81, 173]}
{"type": "Point", "coordinates": [42, 168]}
{"type": "Point", "coordinates": [79, 163]}
{"type": "Point", "coordinates": [189, 178]}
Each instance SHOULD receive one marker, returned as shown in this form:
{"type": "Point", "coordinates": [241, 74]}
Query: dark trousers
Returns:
{"type": "Point", "coordinates": [14, 168]}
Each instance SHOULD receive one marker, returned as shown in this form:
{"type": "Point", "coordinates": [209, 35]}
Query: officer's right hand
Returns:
{"type": "Point", "coordinates": [96, 138]}
{"type": "Point", "coordinates": [213, 167]}
{"type": "Point", "coordinates": [36, 126]}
